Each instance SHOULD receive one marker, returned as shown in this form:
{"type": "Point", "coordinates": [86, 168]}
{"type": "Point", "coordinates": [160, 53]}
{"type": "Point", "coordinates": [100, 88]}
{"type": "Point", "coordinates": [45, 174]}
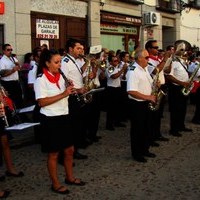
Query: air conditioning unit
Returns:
{"type": "Point", "coordinates": [151, 18]}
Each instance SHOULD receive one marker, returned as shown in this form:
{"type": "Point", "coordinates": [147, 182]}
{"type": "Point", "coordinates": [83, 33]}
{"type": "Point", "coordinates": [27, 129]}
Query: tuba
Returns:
{"type": "Point", "coordinates": [157, 92]}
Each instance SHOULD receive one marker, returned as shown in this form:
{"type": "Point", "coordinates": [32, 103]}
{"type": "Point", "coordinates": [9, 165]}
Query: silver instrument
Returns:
{"type": "Point", "coordinates": [186, 90]}
{"type": "Point", "coordinates": [157, 92]}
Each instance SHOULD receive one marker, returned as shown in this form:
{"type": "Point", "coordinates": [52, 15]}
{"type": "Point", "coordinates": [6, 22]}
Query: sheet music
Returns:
{"type": "Point", "coordinates": [26, 109]}
{"type": "Point", "coordinates": [21, 126]}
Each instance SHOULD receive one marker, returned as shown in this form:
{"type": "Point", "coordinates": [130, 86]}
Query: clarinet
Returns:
{"type": "Point", "coordinates": [67, 83]}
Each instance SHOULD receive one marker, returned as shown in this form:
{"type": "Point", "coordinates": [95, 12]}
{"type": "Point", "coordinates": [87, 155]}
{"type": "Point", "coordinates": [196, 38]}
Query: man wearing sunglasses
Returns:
{"type": "Point", "coordinates": [9, 67]}
{"type": "Point", "coordinates": [154, 64]}
{"type": "Point", "coordinates": [139, 89]}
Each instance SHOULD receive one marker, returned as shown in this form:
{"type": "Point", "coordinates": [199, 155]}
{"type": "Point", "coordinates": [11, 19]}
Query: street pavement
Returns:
{"type": "Point", "coordinates": [110, 172]}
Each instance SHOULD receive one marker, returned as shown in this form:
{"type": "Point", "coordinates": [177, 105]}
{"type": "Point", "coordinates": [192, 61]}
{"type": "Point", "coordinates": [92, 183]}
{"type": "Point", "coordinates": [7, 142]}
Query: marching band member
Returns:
{"type": "Point", "coordinates": [113, 73]}
{"type": "Point", "coordinates": [72, 71]}
{"type": "Point", "coordinates": [56, 133]}
{"type": "Point", "coordinates": [154, 64]}
{"type": "Point", "coordinates": [178, 78]}
{"type": "Point", "coordinates": [139, 88]}
{"type": "Point", "coordinates": [124, 60]}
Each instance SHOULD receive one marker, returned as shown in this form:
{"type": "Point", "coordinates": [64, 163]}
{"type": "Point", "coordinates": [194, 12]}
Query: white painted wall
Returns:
{"type": "Point", "coordinates": [190, 27]}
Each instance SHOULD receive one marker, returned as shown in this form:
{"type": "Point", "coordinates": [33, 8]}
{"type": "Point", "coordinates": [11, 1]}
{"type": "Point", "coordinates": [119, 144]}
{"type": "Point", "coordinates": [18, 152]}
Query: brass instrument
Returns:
{"type": "Point", "coordinates": [4, 104]}
{"type": "Point", "coordinates": [111, 69]}
{"type": "Point", "coordinates": [157, 92]}
{"type": "Point", "coordinates": [3, 115]}
{"type": "Point", "coordinates": [186, 90]}
{"type": "Point", "coordinates": [88, 84]}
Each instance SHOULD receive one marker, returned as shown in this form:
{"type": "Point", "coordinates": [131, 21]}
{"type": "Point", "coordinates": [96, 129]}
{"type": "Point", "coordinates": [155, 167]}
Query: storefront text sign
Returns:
{"type": "Point", "coordinates": [118, 29]}
{"type": "Point", "coordinates": [47, 29]}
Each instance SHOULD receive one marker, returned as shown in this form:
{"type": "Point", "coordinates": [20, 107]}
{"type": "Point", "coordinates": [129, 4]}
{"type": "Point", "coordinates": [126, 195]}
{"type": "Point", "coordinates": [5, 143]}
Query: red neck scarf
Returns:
{"type": "Point", "coordinates": [52, 78]}
{"type": "Point", "coordinates": [154, 58]}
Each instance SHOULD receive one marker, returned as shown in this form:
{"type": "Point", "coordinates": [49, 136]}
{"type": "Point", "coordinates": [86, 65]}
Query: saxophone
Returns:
{"type": "Point", "coordinates": [88, 84]}
{"type": "Point", "coordinates": [186, 90]}
{"type": "Point", "coordinates": [156, 91]}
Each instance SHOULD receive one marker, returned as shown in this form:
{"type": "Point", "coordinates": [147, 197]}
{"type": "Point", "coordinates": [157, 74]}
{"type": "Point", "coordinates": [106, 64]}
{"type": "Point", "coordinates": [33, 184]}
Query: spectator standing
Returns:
{"type": "Point", "coordinates": [9, 70]}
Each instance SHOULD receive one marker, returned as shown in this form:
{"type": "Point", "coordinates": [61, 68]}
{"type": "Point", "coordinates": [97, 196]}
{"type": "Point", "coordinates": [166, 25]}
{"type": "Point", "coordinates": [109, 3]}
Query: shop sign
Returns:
{"type": "Point", "coordinates": [47, 29]}
{"type": "Point", "coordinates": [2, 7]}
{"type": "Point", "coordinates": [122, 19]}
{"type": "Point", "coordinates": [118, 29]}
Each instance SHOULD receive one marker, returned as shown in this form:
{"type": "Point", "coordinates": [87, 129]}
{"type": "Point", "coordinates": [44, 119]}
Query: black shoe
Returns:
{"type": "Point", "coordinates": [161, 138]}
{"type": "Point", "coordinates": [20, 174]}
{"type": "Point", "coordinates": [110, 128]}
{"type": "Point", "coordinates": [196, 121]}
{"type": "Point", "coordinates": [150, 155]}
{"type": "Point", "coordinates": [80, 156]}
{"type": "Point", "coordinates": [95, 139]}
{"type": "Point", "coordinates": [2, 178]}
{"type": "Point", "coordinates": [5, 194]}
{"type": "Point", "coordinates": [176, 134]}
{"type": "Point", "coordinates": [140, 159]}
{"type": "Point", "coordinates": [120, 124]}
{"type": "Point", "coordinates": [186, 130]}
{"type": "Point", "coordinates": [154, 144]}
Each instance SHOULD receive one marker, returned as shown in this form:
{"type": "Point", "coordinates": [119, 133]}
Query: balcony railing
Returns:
{"type": "Point", "coordinates": [171, 6]}
{"type": "Point", "coordinates": [176, 6]}
{"type": "Point", "coordinates": [133, 1]}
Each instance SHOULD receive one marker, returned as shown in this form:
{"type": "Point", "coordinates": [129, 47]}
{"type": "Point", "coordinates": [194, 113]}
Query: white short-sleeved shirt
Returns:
{"type": "Point", "coordinates": [44, 88]}
{"type": "Point", "coordinates": [139, 79]}
{"type": "Point", "coordinates": [178, 71]}
{"type": "Point", "coordinates": [32, 74]}
{"type": "Point", "coordinates": [154, 64]}
{"type": "Point", "coordinates": [8, 63]}
{"type": "Point", "coordinates": [72, 71]}
{"type": "Point", "coordinates": [111, 82]}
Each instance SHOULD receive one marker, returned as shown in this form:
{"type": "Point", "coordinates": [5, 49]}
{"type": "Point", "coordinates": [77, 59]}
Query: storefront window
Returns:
{"type": "Point", "coordinates": [112, 42]}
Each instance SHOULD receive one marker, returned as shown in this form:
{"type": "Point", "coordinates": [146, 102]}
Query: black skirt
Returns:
{"type": "Point", "coordinates": [56, 133]}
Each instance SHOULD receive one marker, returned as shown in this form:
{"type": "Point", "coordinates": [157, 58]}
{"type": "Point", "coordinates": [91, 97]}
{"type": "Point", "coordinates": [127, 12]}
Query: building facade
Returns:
{"type": "Point", "coordinates": [116, 24]}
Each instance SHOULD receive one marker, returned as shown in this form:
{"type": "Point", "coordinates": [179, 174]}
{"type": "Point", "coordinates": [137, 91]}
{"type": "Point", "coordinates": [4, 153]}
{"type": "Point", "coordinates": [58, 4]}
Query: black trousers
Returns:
{"type": "Point", "coordinates": [141, 130]}
{"type": "Point", "coordinates": [177, 108]}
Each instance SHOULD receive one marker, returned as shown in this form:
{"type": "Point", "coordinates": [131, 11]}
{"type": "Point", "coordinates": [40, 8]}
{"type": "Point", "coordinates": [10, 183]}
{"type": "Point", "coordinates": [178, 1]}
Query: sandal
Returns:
{"type": "Point", "coordinates": [76, 182]}
{"type": "Point", "coordinates": [59, 190]}
{"type": "Point", "coordinates": [19, 174]}
{"type": "Point", "coordinates": [5, 194]}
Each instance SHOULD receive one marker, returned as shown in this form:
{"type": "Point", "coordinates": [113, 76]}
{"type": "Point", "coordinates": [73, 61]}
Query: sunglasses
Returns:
{"type": "Point", "coordinates": [155, 47]}
{"type": "Point", "coordinates": [8, 49]}
{"type": "Point", "coordinates": [147, 57]}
